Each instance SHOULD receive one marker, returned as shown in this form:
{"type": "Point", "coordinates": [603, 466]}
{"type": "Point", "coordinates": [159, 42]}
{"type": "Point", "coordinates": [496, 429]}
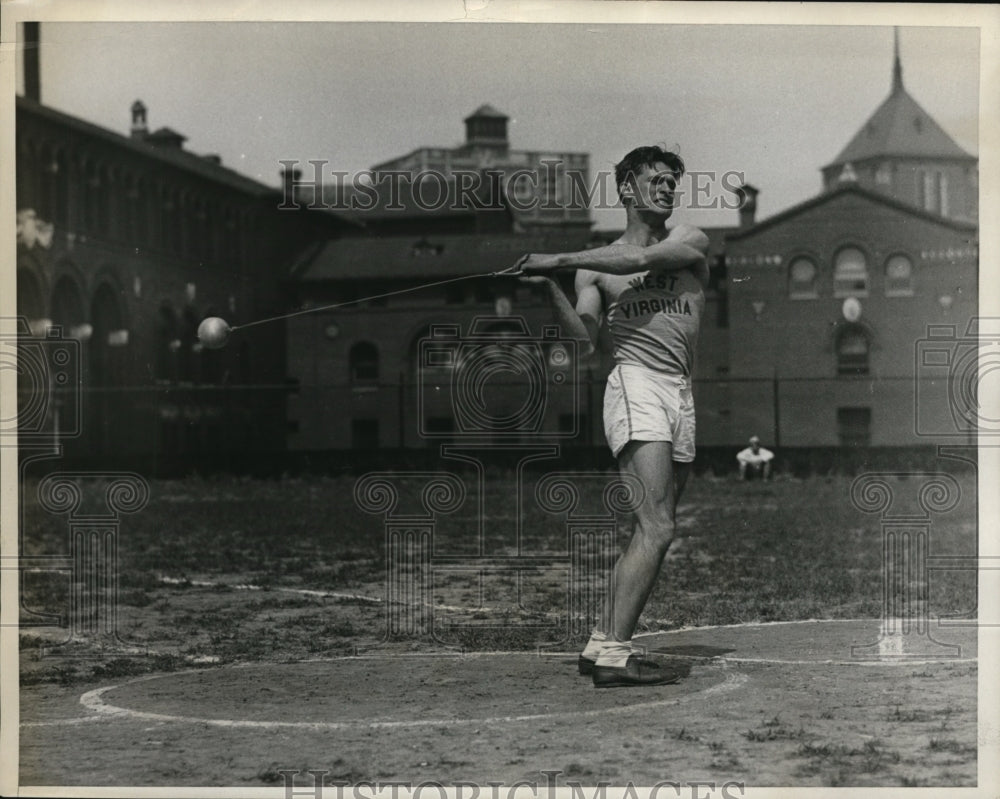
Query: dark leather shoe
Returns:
{"type": "Point", "coordinates": [585, 665]}
{"type": "Point", "coordinates": [636, 671]}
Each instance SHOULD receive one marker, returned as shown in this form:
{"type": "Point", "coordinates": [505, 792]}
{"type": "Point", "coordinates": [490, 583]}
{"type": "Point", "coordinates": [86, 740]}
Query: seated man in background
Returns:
{"type": "Point", "coordinates": [755, 461]}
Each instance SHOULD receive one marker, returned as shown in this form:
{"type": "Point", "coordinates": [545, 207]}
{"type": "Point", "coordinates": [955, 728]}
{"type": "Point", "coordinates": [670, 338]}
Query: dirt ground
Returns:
{"type": "Point", "coordinates": [763, 705]}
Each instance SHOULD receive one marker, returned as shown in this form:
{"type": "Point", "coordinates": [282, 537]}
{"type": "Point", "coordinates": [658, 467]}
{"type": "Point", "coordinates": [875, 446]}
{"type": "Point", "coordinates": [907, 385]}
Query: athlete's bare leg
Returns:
{"type": "Point", "coordinates": [638, 567]}
{"type": "Point", "coordinates": [681, 473]}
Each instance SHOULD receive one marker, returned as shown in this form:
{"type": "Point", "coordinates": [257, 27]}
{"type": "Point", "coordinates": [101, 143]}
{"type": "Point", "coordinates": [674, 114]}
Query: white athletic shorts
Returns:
{"type": "Point", "coordinates": [643, 405]}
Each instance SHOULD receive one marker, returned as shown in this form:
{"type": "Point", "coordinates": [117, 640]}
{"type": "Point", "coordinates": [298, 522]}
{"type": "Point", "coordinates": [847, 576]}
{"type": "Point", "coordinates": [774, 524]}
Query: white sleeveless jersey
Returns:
{"type": "Point", "coordinates": [654, 318]}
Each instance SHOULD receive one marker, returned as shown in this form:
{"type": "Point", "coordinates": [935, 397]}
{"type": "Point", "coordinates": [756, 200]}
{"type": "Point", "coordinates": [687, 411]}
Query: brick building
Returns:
{"type": "Point", "coordinates": [125, 242]}
{"type": "Point", "coordinates": [830, 300]}
{"type": "Point", "coordinates": [812, 320]}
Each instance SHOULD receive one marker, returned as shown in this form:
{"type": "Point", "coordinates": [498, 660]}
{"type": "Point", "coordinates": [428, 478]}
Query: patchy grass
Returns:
{"type": "Point", "coordinates": [837, 761]}
{"type": "Point", "coordinates": [784, 550]}
{"type": "Point", "coordinates": [774, 730]}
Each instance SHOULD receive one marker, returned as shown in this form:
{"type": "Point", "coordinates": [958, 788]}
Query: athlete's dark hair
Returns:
{"type": "Point", "coordinates": [628, 168]}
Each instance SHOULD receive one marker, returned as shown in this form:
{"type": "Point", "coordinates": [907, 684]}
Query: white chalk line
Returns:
{"type": "Point", "coordinates": [374, 600]}
{"type": "Point", "coordinates": [105, 712]}
{"type": "Point", "coordinates": [890, 653]}
{"type": "Point", "coordinates": [94, 701]}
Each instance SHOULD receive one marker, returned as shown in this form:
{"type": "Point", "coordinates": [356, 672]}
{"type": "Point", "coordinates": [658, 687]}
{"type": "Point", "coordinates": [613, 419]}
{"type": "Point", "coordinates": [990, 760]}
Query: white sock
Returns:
{"type": "Point", "coordinates": [595, 644]}
{"type": "Point", "coordinates": [615, 653]}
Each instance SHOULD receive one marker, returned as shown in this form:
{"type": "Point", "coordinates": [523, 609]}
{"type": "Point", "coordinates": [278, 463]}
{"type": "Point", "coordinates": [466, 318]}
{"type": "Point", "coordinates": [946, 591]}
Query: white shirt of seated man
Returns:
{"type": "Point", "coordinates": [755, 454]}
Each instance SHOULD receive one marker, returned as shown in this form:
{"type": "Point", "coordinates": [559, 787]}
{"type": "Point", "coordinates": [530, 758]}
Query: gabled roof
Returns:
{"type": "Point", "coordinates": [183, 159]}
{"type": "Point", "coordinates": [900, 127]}
{"type": "Point", "coordinates": [430, 257]}
{"type": "Point", "coordinates": [840, 191]}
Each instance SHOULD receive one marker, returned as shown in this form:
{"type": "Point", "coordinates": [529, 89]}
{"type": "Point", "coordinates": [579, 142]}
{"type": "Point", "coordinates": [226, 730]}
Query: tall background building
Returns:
{"type": "Point", "coordinates": [127, 240]}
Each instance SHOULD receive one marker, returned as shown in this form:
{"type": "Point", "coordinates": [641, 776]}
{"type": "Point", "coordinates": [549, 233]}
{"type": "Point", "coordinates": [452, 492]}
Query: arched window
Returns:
{"type": "Point", "coordinates": [363, 360]}
{"type": "Point", "coordinates": [850, 273]}
{"type": "Point", "coordinates": [852, 351]}
{"type": "Point", "coordinates": [802, 279]}
{"type": "Point", "coordinates": [107, 321]}
{"type": "Point", "coordinates": [898, 276]}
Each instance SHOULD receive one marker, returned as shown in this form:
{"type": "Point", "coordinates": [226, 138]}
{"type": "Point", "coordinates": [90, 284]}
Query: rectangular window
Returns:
{"type": "Point", "coordinates": [364, 433]}
{"type": "Point", "coordinates": [930, 194]}
{"type": "Point", "coordinates": [854, 426]}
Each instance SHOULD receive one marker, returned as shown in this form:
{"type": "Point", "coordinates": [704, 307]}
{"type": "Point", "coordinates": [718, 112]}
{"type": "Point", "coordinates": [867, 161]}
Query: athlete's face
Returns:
{"type": "Point", "coordinates": [654, 189]}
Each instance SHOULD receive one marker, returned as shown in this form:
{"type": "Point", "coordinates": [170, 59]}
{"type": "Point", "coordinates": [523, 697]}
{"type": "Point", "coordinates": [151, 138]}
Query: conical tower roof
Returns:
{"type": "Point", "coordinates": [900, 127]}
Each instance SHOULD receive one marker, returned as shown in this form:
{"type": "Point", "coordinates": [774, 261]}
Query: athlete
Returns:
{"type": "Point", "coordinates": [650, 283]}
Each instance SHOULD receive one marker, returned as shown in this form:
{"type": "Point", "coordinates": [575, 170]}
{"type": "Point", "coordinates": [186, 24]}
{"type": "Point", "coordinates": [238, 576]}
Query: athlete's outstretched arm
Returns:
{"type": "Point", "coordinates": [581, 322]}
{"type": "Point", "coordinates": [684, 248]}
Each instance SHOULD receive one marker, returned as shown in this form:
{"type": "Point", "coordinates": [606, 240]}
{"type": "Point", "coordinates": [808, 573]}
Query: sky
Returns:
{"type": "Point", "coordinates": [774, 103]}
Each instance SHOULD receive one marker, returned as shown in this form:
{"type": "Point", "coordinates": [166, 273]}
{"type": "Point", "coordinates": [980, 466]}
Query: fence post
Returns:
{"type": "Point", "coordinates": [777, 412]}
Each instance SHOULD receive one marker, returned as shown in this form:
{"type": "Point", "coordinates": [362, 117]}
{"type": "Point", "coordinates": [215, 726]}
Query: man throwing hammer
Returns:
{"type": "Point", "coordinates": [650, 283]}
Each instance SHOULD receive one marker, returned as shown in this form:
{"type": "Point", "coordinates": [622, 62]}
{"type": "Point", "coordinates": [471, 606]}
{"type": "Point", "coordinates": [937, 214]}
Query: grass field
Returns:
{"type": "Point", "coordinates": [229, 588]}
{"type": "Point", "coordinates": [228, 569]}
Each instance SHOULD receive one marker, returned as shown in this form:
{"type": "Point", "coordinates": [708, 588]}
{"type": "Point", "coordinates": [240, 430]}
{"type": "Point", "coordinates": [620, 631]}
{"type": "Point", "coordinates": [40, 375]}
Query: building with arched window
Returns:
{"type": "Point", "coordinates": [813, 325]}
{"type": "Point", "coordinates": [808, 340]}
{"type": "Point", "coordinates": [830, 300]}
{"type": "Point", "coordinates": [125, 243]}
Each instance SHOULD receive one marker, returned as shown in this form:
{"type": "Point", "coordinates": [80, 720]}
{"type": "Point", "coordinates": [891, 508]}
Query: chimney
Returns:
{"type": "Point", "coordinates": [139, 129]}
{"type": "Point", "coordinates": [32, 79]}
{"type": "Point", "coordinates": [748, 204]}
{"type": "Point", "coordinates": [486, 126]}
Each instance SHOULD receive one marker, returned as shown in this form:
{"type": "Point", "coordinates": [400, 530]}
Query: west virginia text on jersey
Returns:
{"type": "Point", "coordinates": [654, 319]}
